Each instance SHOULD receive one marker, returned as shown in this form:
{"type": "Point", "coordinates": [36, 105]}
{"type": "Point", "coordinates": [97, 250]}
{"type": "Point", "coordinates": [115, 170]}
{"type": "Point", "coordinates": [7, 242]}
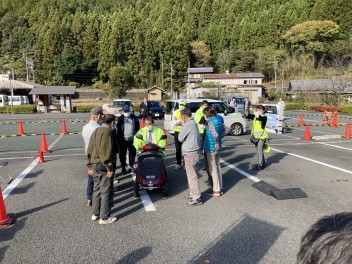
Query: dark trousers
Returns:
{"type": "Point", "coordinates": [124, 146]}
{"type": "Point", "coordinates": [102, 195]}
{"type": "Point", "coordinates": [90, 185]}
{"type": "Point", "coordinates": [178, 146]}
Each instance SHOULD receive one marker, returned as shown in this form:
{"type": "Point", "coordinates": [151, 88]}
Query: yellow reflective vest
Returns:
{"type": "Point", "coordinates": [257, 130]}
{"type": "Point", "coordinates": [177, 116]}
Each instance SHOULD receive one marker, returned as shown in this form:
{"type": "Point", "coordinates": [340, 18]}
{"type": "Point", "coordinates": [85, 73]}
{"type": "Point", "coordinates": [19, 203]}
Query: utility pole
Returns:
{"type": "Point", "coordinates": [172, 73]}
{"type": "Point", "coordinates": [188, 83]}
{"type": "Point", "coordinates": [275, 68]}
{"type": "Point", "coordinates": [11, 77]}
{"type": "Point", "coordinates": [162, 70]}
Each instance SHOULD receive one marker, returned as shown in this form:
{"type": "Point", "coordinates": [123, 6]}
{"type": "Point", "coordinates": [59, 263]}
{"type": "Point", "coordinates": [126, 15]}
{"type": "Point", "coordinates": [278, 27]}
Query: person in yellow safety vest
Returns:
{"type": "Point", "coordinates": [150, 134]}
{"type": "Point", "coordinates": [199, 117]}
{"type": "Point", "coordinates": [177, 121]}
{"type": "Point", "coordinates": [259, 134]}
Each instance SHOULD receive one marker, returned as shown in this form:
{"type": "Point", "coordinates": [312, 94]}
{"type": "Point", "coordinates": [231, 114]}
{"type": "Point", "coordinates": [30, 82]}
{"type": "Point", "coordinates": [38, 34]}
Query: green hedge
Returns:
{"type": "Point", "coordinates": [347, 109]}
{"type": "Point", "coordinates": [18, 109]}
{"type": "Point", "coordinates": [83, 108]}
{"type": "Point", "coordinates": [296, 106]}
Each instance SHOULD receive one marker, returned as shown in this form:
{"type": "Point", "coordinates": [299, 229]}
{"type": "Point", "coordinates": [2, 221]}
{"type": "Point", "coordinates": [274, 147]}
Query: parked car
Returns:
{"type": "Point", "coordinates": [155, 109]}
{"type": "Point", "coordinates": [235, 121]}
{"type": "Point", "coordinates": [119, 103]}
{"type": "Point", "coordinates": [238, 99]}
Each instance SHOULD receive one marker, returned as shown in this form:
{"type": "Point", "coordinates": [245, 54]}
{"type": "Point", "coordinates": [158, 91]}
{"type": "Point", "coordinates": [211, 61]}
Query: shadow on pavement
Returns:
{"type": "Point", "coordinates": [247, 241]}
{"type": "Point", "coordinates": [135, 256]}
{"type": "Point", "coordinates": [30, 211]}
{"type": "Point", "coordinates": [23, 189]}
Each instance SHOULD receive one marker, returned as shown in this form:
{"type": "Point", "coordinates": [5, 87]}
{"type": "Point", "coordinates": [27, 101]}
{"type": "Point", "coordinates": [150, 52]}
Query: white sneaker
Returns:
{"type": "Point", "coordinates": [116, 182]}
{"type": "Point", "coordinates": [95, 217]}
{"type": "Point", "coordinates": [109, 220]}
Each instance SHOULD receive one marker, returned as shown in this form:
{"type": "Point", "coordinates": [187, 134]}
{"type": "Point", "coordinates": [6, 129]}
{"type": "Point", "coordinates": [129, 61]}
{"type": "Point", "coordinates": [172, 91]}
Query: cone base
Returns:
{"type": "Point", "coordinates": [9, 221]}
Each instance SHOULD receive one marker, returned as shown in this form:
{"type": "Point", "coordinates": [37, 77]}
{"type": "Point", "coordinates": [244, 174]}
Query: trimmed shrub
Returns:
{"type": "Point", "coordinates": [18, 109]}
{"type": "Point", "coordinates": [84, 108]}
{"type": "Point", "coordinates": [323, 108]}
{"type": "Point", "coordinates": [296, 106]}
{"type": "Point", "coordinates": [346, 109]}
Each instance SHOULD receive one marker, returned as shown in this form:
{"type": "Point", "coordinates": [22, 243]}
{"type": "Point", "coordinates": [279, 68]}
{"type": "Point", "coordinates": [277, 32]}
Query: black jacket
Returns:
{"type": "Point", "coordinates": [121, 126]}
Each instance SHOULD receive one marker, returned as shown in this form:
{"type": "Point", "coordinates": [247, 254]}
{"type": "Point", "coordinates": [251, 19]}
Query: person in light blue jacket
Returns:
{"type": "Point", "coordinates": [212, 147]}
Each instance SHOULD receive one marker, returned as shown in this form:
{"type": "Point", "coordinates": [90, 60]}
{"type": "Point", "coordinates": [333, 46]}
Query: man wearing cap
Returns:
{"type": "Point", "coordinates": [87, 131]}
{"type": "Point", "coordinates": [176, 119]}
{"type": "Point", "coordinates": [100, 154]}
{"type": "Point", "coordinates": [127, 127]}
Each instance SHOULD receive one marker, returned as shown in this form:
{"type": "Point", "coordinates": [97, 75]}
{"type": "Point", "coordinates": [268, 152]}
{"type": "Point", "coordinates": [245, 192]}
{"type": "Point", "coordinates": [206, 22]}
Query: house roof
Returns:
{"type": "Point", "coordinates": [53, 90]}
{"type": "Point", "coordinates": [7, 84]}
{"type": "Point", "coordinates": [154, 87]}
{"type": "Point", "coordinates": [317, 85]}
{"type": "Point", "coordinates": [233, 75]}
{"type": "Point", "coordinates": [200, 70]}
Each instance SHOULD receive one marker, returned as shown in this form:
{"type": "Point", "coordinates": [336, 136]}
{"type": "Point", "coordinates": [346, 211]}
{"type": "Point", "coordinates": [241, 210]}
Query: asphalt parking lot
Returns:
{"type": "Point", "coordinates": [243, 226]}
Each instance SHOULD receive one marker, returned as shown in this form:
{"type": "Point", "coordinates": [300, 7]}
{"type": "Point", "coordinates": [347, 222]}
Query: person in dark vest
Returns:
{"type": "Point", "coordinates": [127, 127]}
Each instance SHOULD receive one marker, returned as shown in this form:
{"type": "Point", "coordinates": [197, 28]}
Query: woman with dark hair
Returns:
{"type": "Point", "coordinates": [259, 134]}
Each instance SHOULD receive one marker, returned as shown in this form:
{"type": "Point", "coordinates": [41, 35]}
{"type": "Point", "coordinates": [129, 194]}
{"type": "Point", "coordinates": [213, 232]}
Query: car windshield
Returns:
{"type": "Point", "coordinates": [121, 103]}
{"type": "Point", "coordinates": [220, 107]}
{"type": "Point", "coordinates": [154, 104]}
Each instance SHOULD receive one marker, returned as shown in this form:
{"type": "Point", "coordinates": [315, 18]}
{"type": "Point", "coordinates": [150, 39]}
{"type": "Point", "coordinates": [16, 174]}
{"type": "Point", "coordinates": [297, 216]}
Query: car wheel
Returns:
{"type": "Point", "coordinates": [236, 129]}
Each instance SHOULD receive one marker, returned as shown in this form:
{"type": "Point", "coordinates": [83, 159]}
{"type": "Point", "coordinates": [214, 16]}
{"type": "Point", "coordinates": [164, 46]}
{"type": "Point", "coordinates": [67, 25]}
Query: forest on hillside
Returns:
{"type": "Point", "coordinates": [121, 44]}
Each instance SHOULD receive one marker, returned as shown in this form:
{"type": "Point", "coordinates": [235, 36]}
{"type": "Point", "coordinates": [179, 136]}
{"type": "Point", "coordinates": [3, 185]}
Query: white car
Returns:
{"type": "Point", "coordinates": [236, 122]}
{"type": "Point", "coordinates": [119, 103]}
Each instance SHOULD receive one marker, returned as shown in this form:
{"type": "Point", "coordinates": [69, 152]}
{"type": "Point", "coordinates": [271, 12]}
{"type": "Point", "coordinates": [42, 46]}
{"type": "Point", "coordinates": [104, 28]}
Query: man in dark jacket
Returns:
{"type": "Point", "coordinates": [144, 108]}
{"type": "Point", "coordinates": [100, 150]}
{"type": "Point", "coordinates": [127, 127]}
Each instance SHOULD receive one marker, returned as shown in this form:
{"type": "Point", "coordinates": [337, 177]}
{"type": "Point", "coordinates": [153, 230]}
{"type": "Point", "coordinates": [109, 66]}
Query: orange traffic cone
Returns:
{"type": "Point", "coordinates": [142, 123]}
{"type": "Point", "coordinates": [41, 157]}
{"type": "Point", "coordinates": [63, 127]}
{"type": "Point", "coordinates": [20, 128]}
{"type": "Point", "coordinates": [301, 122]}
{"type": "Point", "coordinates": [307, 134]}
{"type": "Point", "coordinates": [333, 122]}
{"type": "Point", "coordinates": [5, 219]}
{"type": "Point", "coordinates": [164, 130]}
{"type": "Point", "coordinates": [43, 145]}
{"type": "Point", "coordinates": [348, 131]}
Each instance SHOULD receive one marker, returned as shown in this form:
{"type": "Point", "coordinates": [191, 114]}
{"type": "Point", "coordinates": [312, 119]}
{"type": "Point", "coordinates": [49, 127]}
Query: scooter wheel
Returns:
{"type": "Point", "coordinates": [135, 189]}
{"type": "Point", "coordinates": [165, 189]}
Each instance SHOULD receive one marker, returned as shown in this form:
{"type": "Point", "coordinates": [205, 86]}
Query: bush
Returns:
{"type": "Point", "coordinates": [296, 106]}
{"type": "Point", "coordinates": [18, 109]}
{"type": "Point", "coordinates": [84, 108]}
{"type": "Point", "coordinates": [346, 109]}
{"type": "Point", "coordinates": [323, 108]}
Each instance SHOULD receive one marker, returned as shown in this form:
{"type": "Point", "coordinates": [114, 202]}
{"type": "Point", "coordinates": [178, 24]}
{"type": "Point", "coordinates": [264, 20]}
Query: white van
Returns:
{"type": "Point", "coordinates": [238, 99]}
{"type": "Point", "coordinates": [4, 100]}
{"type": "Point", "coordinates": [16, 100]}
{"type": "Point", "coordinates": [275, 115]}
{"type": "Point", "coordinates": [235, 121]}
{"type": "Point", "coordinates": [25, 99]}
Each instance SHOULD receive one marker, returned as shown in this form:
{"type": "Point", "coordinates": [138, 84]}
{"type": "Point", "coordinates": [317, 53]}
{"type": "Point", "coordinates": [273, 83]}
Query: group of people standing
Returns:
{"type": "Point", "coordinates": [196, 136]}
{"type": "Point", "coordinates": [201, 136]}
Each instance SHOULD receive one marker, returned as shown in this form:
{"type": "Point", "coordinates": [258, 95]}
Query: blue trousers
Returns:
{"type": "Point", "coordinates": [90, 185]}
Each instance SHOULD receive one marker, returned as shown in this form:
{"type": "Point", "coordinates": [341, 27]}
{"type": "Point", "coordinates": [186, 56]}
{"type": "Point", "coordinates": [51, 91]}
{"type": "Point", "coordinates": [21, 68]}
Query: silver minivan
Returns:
{"type": "Point", "coordinates": [236, 122]}
{"type": "Point", "coordinates": [238, 99]}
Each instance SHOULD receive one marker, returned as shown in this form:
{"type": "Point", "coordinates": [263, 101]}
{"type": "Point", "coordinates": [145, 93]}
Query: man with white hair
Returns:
{"type": "Point", "coordinates": [87, 131]}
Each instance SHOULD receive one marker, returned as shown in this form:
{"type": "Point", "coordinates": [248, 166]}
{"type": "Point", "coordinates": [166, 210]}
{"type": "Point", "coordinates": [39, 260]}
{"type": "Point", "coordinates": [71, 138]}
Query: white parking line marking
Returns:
{"type": "Point", "coordinates": [51, 156]}
{"type": "Point", "coordinates": [253, 178]}
{"type": "Point", "coordinates": [16, 181]}
{"type": "Point", "coordinates": [147, 203]}
{"type": "Point", "coordinates": [335, 146]}
{"type": "Point", "coordinates": [312, 160]}
{"type": "Point", "coordinates": [20, 177]}
{"type": "Point", "coordinates": [315, 131]}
